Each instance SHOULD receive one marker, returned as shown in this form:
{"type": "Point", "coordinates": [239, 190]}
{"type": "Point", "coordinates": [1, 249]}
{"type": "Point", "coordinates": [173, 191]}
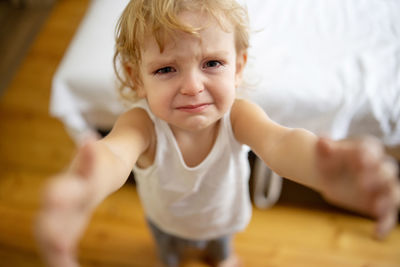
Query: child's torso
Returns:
{"type": "Point", "coordinates": [196, 197]}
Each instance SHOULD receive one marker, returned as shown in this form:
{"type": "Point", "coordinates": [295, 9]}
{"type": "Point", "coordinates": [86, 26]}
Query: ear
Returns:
{"type": "Point", "coordinates": [241, 61]}
{"type": "Point", "coordinates": [134, 81]}
{"type": "Point", "coordinates": [141, 93]}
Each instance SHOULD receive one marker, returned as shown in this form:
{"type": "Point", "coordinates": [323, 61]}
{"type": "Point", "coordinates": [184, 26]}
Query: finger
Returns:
{"type": "Point", "coordinates": [65, 193]}
{"type": "Point", "coordinates": [344, 151]}
{"type": "Point", "coordinates": [56, 239]}
{"type": "Point", "coordinates": [386, 224]}
{"type": "Point", "coordinates": [386, 210]}
{"type": "Point", "coordinates": [328, 162]}
{"type": "Point", "coordinates": [324, 147]}
{"type": "Point", "coordinates": [366, 157]}
{"type": "Point", "coordinates": [396, 193]}
{"type": "Point", "coordinates": [373, 169]}
{"type": "Point", "coordinates": [50, 247]}
{"type": "Point", "coordinates": [61, 260]}
{"type": "Point", "coordinates": [383, 177]}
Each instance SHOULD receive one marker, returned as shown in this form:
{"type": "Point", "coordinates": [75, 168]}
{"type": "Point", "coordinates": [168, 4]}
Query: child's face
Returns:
{"type": "Point", "coordinates": [192, 83]}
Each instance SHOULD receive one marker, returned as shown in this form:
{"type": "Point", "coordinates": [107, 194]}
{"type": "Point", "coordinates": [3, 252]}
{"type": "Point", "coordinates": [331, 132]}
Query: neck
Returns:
{"type": "Point", "coordinates": [196, 145]}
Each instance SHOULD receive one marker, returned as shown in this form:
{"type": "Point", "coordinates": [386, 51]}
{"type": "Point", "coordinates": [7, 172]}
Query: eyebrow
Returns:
{"type": "Point", "coordinates": [218, 53]}
{"type": "Point", "coordinates": [160, 61]}
{"type": "Point", "coordinates": [156, 63]}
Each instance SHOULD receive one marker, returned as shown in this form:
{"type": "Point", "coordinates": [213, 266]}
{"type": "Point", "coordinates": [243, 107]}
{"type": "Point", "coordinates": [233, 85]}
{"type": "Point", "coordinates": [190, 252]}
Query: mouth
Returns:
{"type": "Point", "coordinates": [193, 108]}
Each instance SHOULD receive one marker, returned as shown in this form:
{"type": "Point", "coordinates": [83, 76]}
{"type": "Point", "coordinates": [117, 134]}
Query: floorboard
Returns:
{"type": "Point", "coordinates": [34, 146]}
{"type": "Point", "coordinates": [19, 27]}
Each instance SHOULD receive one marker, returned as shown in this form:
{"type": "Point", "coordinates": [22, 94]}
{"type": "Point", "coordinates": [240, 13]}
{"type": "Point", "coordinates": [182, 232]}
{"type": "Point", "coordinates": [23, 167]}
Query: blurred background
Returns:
{"type": "Point", "coordinates": [20, 21]}
{"type": "Point", "coordinates": [300, 230]}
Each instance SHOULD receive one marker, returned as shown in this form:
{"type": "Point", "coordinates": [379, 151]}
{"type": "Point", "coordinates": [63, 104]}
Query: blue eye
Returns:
{"type": "Point", "coordinates": [164, 70]}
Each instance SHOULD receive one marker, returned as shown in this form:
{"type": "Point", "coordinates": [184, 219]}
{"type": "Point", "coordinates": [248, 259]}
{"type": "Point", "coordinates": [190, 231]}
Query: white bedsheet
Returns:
{"type": "Point", "coordinates": [330, 66]}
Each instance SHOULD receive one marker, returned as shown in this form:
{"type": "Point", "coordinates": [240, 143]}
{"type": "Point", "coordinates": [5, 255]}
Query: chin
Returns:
{"type": "Point", "coordinates": [197, 124]}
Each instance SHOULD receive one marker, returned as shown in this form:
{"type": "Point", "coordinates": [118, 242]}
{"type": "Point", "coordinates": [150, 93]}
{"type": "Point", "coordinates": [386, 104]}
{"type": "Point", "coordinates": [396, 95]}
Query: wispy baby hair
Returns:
{"type": "Point", "coordinates": [159, 18]}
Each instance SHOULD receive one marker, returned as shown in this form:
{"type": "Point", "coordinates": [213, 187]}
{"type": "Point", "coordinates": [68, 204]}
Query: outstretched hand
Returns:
{"type": "Point", "coordinates": [65, 211]}
{"type": "Point", "coordinates": [358, 175]}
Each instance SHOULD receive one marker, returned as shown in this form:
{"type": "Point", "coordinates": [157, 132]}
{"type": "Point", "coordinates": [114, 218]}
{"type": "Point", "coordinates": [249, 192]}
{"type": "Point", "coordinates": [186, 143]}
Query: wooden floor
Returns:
{"type": "Point", "coordinates": [34, 146]}
{"type": "Point", "coordinates": [19, 26]}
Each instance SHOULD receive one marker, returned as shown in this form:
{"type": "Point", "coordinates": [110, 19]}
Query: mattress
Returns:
{"type": "Point", "coordinates": [332, 67]}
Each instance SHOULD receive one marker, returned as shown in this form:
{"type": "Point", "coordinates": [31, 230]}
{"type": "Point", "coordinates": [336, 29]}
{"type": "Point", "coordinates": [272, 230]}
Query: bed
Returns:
{"type": "Point", "coordinates": [332, 67]}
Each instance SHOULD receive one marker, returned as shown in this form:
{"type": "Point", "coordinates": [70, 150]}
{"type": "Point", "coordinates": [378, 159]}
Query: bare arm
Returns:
{"type": "Point", "coordinates": [355, 173]}
{"type": "Point", "coordinates": [289, 152]}
{"type": "Point", "coordinates": [116, 154]}
{"type": "Point", "coordinates": [100, 168]}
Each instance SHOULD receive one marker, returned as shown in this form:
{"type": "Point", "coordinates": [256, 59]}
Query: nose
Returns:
{"type": "Point", "coordinates": [191, 83]}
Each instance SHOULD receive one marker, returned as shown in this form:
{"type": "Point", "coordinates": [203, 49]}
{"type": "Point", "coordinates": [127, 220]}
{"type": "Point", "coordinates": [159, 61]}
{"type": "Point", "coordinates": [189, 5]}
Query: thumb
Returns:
{"type": "Point", "coordinates": [385, 224]}
{"type": "Point", "coordinates": [324, 147]}
{"type": "Point", "coordinates": [326, 160]}
{"type": "Point", "coordinates": [84, 162]}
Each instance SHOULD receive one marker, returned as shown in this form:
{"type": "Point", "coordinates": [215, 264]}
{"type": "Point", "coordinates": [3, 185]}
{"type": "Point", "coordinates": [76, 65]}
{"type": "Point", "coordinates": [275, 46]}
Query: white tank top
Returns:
{"type": "Point", "coordinates": [202, 202]}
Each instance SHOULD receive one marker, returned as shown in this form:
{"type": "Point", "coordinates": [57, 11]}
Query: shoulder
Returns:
{"type": "Point", "coordinates": [133, 128]}
{"type": "Point", "coordinates": [243, 115]}
{"type": "Point", "coordinates": [244, 111]}
{"type": "Point", "coordinates": [241, 103]}
{"type": "Point", "coordinates": [251, 124]}
{"type": "Point", "coordinates": [135, 117]}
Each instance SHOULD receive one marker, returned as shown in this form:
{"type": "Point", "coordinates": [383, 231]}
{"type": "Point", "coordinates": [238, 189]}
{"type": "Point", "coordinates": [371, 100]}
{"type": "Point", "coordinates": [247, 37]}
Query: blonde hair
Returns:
{"type": "Point", "coordinates": [159, 18]}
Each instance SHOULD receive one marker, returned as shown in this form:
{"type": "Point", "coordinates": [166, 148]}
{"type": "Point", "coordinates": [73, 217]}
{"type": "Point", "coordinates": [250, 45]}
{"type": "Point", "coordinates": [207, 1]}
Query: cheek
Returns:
{"type": "Point", "coordinates": [159, 101]}
{"type": "Point", "coordinates": [226, 93]}
{"type": "Point", "coordinates": [227, 84]}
